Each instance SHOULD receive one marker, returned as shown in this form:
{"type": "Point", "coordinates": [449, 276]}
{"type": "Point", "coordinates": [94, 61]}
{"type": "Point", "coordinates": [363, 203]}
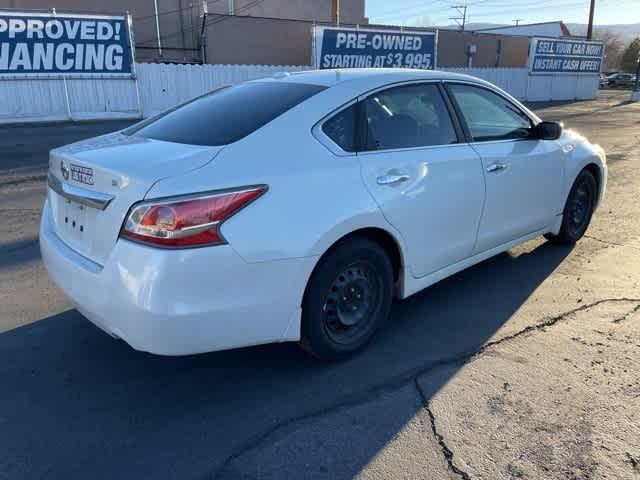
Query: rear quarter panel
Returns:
{"type": "Point", "coordinates": [315, 197]}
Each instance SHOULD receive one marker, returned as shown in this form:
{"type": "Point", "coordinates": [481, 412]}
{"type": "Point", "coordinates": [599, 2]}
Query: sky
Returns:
{"type": "Point", "coordinates": [437, 12]}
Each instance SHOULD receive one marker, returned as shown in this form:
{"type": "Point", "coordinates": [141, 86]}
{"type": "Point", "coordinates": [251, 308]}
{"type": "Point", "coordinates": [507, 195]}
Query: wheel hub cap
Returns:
{"type": "Point", "coordinates": [353, 302]}
{"type": "Point", "coordinates": [350, 300]}
{"type": "Point", "coordinates": [580, 207]}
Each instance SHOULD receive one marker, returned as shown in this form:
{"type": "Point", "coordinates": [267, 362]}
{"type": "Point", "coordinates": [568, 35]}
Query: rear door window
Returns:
{"type": "Point", "coordinates": [406, 117]}
{"type": "Point", "coordinates": [226, 115]}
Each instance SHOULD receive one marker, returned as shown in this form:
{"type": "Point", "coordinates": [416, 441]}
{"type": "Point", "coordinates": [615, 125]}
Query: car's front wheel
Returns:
{"type": "Point", "coordinates": [578, 210]}
{"type": "Point", "coordinates": [348, 297]}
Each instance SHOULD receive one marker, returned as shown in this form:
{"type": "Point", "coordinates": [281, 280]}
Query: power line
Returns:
{"type": "Point", "coordinates": [441, 9]}
{"type": "Point", "coordinates": [429, 11]}
{"type": "Point", "coordinates": [535, 7]}
{"type": "Point", "coordinates": [497, 7]}
{"type": "Point", "coordinates": [248, 6]}
{"type": "Point", "coordinates": [170, 12]}
{"type": "Point", "coordinates": [462, 19]}
{"type": "Point", "coordinates": [217, 18]}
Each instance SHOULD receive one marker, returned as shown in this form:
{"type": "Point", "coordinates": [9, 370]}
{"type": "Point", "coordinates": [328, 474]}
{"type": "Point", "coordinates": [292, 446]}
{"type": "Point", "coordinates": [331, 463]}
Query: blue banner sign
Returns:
{"type": "Point", "coordinates": [357, 48]}
{"type": "Point", "coordinates": [48, 44]}
{"type": "Point", "coordinates": [550, 55]}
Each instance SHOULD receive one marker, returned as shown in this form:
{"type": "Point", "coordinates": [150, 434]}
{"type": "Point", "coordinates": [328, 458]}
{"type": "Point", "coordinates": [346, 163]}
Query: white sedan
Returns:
{"type": "Point", "coordinates": [296, 208]}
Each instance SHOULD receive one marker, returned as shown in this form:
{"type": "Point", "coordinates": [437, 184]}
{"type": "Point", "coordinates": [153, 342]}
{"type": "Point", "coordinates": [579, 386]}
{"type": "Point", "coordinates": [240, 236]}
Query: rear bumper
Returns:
{"type": "Point", "coordinates": [179, 302]}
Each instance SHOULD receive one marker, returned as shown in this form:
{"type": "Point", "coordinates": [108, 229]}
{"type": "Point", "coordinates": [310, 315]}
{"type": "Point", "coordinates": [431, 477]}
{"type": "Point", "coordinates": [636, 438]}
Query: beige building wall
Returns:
{"type": "Point", "coordinates": [178, 20]}
{"type": "Point", "coordinates": [351, 11]}
{"type": "Point", "coordinates": [491, 50]}
{"type": "Point", "coordinates": [273, 42]}
{"type": "Point", "coordinates": [255, 35]}
{"type": "Point", "coordinates": [249, 39]}
{"type": "Point", "coordinates": [180, 23]}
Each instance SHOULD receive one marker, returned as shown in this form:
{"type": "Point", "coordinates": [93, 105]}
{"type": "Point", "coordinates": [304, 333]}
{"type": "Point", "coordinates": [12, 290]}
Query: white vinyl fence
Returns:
{"type": "Point", "coordinates": [537, 88]}
{"type": "Point", "coordinates": [28, 100]}
{"type": "Point", "coordinates": [164, 85]}
{"type": "Point", "coordinates": [160, 86]}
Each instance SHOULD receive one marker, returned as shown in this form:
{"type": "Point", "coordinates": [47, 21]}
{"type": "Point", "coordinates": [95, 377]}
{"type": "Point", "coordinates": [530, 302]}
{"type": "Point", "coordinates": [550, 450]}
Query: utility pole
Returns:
{"type": "Point", "coordinates": [462, 19]}
{"type": "Point", "coordinates": [203, 32]}
{"type": "Point", "coordinates": [517, 21]}
{"type": "Point", "coordinates": [590, 27]}
{"type": "Point", "coordinates": [635, 95]}
{"type": "Point", "coordinates": [336, 11]}
{"type": "Point", "coordinates": [155, 10]}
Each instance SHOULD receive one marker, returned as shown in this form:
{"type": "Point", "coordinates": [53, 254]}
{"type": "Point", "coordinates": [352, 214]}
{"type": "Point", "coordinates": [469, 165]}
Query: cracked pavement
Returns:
{"type": "Point", "coordinates": [524, 366]}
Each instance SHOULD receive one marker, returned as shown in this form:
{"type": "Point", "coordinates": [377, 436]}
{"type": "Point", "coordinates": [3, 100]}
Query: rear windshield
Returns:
{"type": "Point", "coordinates": [225, 115]}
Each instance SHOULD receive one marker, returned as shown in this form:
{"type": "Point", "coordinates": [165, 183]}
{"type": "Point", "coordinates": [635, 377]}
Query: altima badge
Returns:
{"type": "Point", "coordinates": [65, 170]}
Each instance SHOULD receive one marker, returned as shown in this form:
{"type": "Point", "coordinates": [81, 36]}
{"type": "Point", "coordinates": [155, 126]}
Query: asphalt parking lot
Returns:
{"type": "Point", "coordinates": [524, 366]}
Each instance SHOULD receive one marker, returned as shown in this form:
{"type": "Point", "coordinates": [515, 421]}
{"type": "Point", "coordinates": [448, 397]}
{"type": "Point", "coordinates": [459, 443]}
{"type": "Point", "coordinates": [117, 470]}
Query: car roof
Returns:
{"type": "Point", "coordinates": [332, 77]}
{"type": "Point", "coordinates": [360, 80]}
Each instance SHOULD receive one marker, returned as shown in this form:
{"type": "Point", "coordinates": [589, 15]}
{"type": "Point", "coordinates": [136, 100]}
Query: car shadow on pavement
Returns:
{"type": "Point", "coordinates": [19, 251]}
{"type": "Point", "coordinates": [21, 151]}
{"type": "Point", "coordinates": [76, 403]}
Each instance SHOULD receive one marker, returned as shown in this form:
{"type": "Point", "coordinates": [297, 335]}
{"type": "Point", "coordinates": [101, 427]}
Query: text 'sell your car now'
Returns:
{"type": "Point", "coordinates": [297, 208]}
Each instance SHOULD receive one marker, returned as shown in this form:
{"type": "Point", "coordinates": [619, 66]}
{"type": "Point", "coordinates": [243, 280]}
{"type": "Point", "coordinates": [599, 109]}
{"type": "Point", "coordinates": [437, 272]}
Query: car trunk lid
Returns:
{"type": "Point", "coordinates": [93, 183]}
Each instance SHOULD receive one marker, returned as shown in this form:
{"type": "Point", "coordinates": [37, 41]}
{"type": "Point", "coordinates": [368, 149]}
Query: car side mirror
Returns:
{"type": "Point", "coordinates": [547, 130]}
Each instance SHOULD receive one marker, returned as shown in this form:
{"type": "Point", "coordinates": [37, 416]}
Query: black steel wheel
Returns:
{"type": "Point", "coordinates": [578, 210]}
{"type": "Point", "coordinates": [347, 298]}
{"type": "Point", "coordinates": [351, 302]}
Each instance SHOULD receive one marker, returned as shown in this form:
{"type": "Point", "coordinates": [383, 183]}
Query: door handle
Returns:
{"type": "Point", "coordinates": [391, 179]}
{"type": "Point", "coordinates": [496, 167]}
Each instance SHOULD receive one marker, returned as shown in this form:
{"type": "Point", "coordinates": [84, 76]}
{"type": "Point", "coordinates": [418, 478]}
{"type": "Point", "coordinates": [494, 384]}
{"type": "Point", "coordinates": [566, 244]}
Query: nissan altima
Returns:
{"type": "Point", "coordinates": [297, 208]}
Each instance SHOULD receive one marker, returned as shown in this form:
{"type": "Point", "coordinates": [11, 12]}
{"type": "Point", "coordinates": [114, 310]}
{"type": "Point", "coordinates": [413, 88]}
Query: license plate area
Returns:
{"type": "Point", "coordinates": [73, 220]}
{"type": "Point", "coordinates": [78, 226]}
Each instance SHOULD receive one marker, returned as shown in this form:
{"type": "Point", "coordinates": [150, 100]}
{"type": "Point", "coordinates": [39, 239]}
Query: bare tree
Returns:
{"type": "Point", "coordinates": [613, 49]}
{"type": "Point", "coordinates": [630, 56]}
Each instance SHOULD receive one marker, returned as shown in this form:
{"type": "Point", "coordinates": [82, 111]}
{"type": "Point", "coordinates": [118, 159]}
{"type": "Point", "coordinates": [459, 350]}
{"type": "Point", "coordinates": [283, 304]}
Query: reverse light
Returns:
{"type": "Point", "coordinates": [190, 221]}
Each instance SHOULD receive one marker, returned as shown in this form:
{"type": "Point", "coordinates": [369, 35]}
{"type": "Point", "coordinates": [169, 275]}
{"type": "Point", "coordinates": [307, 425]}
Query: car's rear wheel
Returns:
{"type": "Point", "coordinates": [348, 297]}
{"type": "Point", "coordinates": [578, 210]}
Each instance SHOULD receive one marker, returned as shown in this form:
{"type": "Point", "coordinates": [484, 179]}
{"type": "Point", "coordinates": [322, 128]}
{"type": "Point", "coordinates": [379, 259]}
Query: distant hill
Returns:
{"type": "Point", "coordinates": [472, 26]}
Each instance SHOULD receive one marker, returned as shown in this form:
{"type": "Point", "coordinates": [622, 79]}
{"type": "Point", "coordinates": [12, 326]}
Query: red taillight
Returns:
{"type": "Point", "coordinates": [186, 222]}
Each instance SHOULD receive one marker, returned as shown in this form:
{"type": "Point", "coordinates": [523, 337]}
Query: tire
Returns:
{"type": "Point", "coordinates": [347, 299]}
{"type": "Point", "coordinates": [578, 210]}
